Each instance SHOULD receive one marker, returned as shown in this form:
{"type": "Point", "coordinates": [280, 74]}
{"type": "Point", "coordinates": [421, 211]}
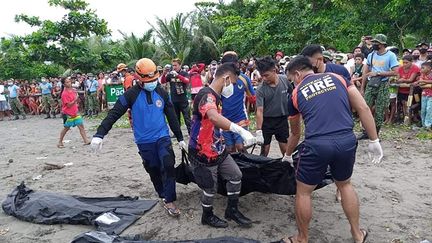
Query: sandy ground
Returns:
{"type": "Point", "coordinates": [396, 196]}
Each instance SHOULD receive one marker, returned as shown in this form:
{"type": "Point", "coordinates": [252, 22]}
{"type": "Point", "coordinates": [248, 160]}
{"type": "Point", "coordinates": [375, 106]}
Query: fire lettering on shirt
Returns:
{"type": "Point", "coordinates": [317, 87]}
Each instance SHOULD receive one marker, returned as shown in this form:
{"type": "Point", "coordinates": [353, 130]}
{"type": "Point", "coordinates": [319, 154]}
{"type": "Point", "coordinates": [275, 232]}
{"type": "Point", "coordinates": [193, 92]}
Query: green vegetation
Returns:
{"type": "Point", "coordinates": [81, 40]}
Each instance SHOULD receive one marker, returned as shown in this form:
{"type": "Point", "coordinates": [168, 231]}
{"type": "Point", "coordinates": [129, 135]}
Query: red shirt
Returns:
{"type": "Point", "coordinates": [68, 96]}
{"type": "Point", "coordinates": [426, 91]}
{"type": "Point", "coordinates": [406, 74]}
{"type": "Point", "coordinates": [128, 81]}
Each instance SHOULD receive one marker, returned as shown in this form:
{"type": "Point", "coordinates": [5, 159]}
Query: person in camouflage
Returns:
{"type": "Point", "coordinates": [381, 64]}
{"type": "Point", "coordinates": [14, 101]}
{"type": "Point", "coordinates": [47, 100]}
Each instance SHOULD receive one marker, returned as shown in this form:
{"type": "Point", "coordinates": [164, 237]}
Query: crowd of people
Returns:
{"type": "Point", "coordinates": [322, 87]}
{"type": "Point", "coordinates": [42, 96]}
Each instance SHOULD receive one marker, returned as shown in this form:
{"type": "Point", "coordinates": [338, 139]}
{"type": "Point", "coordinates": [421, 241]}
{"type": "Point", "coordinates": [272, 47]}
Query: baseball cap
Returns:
{"type": "Point", "coordinates": [380, 38]}
{"type": "Point", "coordinates": [327, 54]}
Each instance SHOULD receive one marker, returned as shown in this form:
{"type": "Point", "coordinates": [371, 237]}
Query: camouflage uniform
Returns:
{"type": "Point", "coordinates": [48, 104]}
{"type": "Point", "coordinates": [378, 97]}
{"type": "Point", "coordinates": [16, 107]}
{"type": "Point", "coordinates": [93, 103]}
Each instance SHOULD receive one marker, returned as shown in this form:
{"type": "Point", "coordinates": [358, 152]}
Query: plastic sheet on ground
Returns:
{"type": "Point", "coordinates": [102, 237]}
{"type": "Point", "coordinates": [55, 208]}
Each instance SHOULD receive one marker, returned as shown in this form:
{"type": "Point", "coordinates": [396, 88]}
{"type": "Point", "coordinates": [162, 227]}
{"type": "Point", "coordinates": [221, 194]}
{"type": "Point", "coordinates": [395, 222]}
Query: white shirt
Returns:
{"type": "Point", "coordinates": [2, 96]}
{"type": "Point", "coordinates": [351, 63]}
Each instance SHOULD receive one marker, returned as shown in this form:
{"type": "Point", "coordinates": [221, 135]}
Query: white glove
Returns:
{"type": "Point", "coordinates": [183, 145]}
{"type": "Point", "coordinates": [174, 73]}
{"type": "Point", "coordinates": [375, 151]}
{"type": "Point", "coordinates": [248, 138]}
{"type": "Point", "coordinates": [96, 144]}
{"type": "Point", "coordinates": [289, 159]}
{"type": "Point", "coordinates": [259, 137]}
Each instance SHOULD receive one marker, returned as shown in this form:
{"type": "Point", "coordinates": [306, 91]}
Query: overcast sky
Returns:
{"type": "Point", "coordinates": [126, 15]}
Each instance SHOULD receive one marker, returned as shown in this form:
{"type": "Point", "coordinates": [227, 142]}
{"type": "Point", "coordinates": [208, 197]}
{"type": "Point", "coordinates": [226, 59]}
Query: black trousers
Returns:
{"type": "Point", "coordinates": [183, 108]}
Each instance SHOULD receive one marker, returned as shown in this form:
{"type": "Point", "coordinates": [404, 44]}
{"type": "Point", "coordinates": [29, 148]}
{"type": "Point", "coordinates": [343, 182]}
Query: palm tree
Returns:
{"type": "Point", "coordinates": [186, 35]}
{"type": "Point", "coordinates": [139, 47]}
{"type": "Point", "coordinates": [175, 36]}
{"type": "Point", "coordinates": [207, 33]}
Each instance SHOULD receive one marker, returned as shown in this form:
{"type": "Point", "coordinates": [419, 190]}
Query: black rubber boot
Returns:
{"type": "Point", "coordinates": [232, 213]}
{"type": "Point", "coordinates": [208, 218]}
{"type": "Point", "coordinates": [48, 116]}
{"type": "Point", "coordinates": [363, 135]}
{"type": "Point", "coordinates": [16, 118]}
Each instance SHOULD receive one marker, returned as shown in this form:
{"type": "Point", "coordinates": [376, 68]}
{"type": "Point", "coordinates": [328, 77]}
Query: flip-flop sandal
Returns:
{"type": "Point", "coordinates": [60, 146]}
{"type": "Point", "coordinates": [283, 240]}
{"type": "Point", "coordinates": [174, 212]}
{"type": "Point", "coordinates": [365, 235]}
{"type": "Point", "coordinates": [88, 143]}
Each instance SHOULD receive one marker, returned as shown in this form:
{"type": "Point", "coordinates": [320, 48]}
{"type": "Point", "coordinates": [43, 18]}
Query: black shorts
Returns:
{"type": "Point", "coordinates": [277, 126]}
{"type": "Point", "coordinates": [402, 97]}
{"type": "Point", "coordinates": [317, 154]}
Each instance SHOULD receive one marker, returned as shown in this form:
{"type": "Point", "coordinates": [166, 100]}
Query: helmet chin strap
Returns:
{"type": "Point", "coordinates": [141, 84]}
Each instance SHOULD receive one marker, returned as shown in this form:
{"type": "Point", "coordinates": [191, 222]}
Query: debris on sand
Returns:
{"type": "Point", "coordinates": [49, 166]}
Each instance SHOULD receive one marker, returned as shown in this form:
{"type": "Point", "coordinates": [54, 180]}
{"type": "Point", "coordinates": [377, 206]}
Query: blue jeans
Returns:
{"type": "Point", "coordinates": [426, 111]}
{"type": "Point", "coordinates": [158, 160]}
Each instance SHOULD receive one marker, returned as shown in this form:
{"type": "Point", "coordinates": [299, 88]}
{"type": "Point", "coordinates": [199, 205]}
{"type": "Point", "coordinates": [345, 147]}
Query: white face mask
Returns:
{"type": "Point", "coordinates": [227, 91]}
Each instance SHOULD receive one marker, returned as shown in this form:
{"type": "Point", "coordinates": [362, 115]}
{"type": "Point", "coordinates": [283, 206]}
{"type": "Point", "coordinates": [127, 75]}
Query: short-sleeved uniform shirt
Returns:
{"type": "Point", "coordinates": [406, 74]}
{"type": "Point", "coordinates": [13, 91]}
{"type": "Point", "coordinates": [233, 108]}
{"type": "Point", "coordinates": [205, 143]}
{"type": "Point", "coordinates": [92, 85]}
{"type": "Point", "coordinates": [382, 62]}
{"type": "Point", "coordinates": [45, 88]}
{"type": "Point", "coordinates": [322, 100]}
{"type": "Point", "coordinates": [274, 100]}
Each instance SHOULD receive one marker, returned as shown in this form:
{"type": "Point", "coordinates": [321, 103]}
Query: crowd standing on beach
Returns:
{"type": "Point", "coordinates": [375, 84]}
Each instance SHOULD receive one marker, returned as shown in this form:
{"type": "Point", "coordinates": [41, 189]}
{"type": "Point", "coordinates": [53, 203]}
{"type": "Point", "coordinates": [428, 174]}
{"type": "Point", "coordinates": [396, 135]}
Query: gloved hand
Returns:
{"type": "Point", "coordinates": [174, 73]}
{"type": "Point", "coordinates": [375, 151]}
{"type": "Point", "coordinates": [183, 145]}
{"type": "Point", "coordinates": [96, 144]}
{"type": "Point", "coordinates": [248, 138]}
{"type": "Point", "coordinates": [259, 137]}
{"type": "Point", "coordinates": [288, 158]}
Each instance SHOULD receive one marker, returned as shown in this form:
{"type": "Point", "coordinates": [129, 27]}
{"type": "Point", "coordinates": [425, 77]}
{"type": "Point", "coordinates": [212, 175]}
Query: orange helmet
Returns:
{"type": "Point", "coordinates": [146, 70]}
{"type": "Point", "coordinates": [121, 67]}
